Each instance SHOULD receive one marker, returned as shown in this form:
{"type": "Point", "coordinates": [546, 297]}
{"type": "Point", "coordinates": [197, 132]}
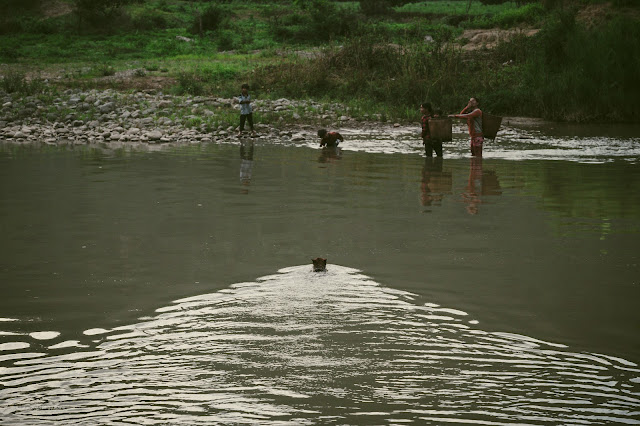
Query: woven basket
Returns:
{"type": "Point", "coordinates": [490, 125]}
{"type": "Point", "coordinates": [440, 128]}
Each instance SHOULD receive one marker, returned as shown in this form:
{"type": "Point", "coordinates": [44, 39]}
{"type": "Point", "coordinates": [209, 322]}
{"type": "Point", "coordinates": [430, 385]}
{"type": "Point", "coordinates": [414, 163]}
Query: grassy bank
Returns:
{"type": "Point", "coordinates": [373, 58]}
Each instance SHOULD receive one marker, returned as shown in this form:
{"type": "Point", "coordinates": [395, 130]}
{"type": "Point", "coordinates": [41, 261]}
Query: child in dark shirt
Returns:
{"type": "Point", "coordinates": [430, 144]}
{"type": "Point", "coordinates": [329, 139]}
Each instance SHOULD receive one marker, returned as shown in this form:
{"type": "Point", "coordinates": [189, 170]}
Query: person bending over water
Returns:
{"type": "Point", "coordinates": [329, 139]}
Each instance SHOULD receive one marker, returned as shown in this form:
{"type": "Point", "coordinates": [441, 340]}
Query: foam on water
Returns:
{"type": "Point", "coordinates": [299, 347]}
{"type": "Point", "coordinates": [511, 144]}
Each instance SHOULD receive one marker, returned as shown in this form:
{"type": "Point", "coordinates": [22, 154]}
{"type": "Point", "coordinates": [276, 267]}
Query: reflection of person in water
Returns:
{"type": "Point", "coordinates": [246, 162]}
{"type": "Point", "coordinates": [480, 183]}
{"type": "Point", "coordinates": [330, 154]}
{"type": "Point", "coordinates": [435, 181]}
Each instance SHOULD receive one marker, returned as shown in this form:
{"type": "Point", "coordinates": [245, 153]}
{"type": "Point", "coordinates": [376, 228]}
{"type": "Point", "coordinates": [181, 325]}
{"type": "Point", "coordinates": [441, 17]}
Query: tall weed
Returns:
{"type": "Point", "coordinates": [317, 21]}
{"type": "Point", "coordinates": [17, 82]}
{"type": "Point", "coordinates": [190, 84]}
{"type": "Point", "coordinates": [388, 75]}
{"type": "Point", "coordinates": [574, 73]}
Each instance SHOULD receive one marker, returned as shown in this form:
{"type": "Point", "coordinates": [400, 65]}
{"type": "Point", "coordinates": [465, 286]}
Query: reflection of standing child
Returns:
{"type": "Point", "coordinates": [246, 111]}
{"type": "Point", "coordinates": [430, 144]}
{"type": "Point", "coordinates": [471, 196]}
{"type": "Point", "coordinates": [329, 139]}
{"type": "Point", "coordinates": [435, 182]}
{"type": "Point", "coordinates": [246, 161]}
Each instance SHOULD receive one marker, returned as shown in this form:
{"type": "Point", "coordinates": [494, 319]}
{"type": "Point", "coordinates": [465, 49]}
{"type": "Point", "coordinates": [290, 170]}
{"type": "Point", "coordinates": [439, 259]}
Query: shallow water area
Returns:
{"type": "Point", "coordinates": [537, 141]}
{"type": "Point", "coordinates": [156, 285]}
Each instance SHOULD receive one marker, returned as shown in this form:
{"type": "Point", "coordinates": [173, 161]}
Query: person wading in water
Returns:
{"type": "Point", "coordinates": [473, 115]}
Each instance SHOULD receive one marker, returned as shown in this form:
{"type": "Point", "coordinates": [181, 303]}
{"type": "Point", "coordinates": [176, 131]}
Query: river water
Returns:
{"type": "Point", "coordinates": [174, 284]}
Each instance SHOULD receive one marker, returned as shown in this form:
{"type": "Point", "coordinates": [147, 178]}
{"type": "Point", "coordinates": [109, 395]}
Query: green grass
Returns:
{"type": "Point", "coordinates": [529, 15]}
{"type": "Point", "coordinates": [455, 8]}
{"type": "Point", "coordinates": [151, 28]}
{"type": "Point", "coordinates": [566, 72]}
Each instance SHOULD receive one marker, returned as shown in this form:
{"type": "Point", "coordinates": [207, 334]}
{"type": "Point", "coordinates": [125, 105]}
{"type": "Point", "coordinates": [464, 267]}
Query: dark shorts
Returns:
{"type": "Point", "coordinates": [246, 117]}
{"type": "Point", "coordinates": [431, 145]}
{"type": "Point", "coordinates": [477, 141]}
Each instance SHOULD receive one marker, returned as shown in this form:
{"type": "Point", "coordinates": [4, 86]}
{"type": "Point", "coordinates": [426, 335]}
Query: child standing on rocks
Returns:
{"type": "Point", "coordinates": [246, 111]}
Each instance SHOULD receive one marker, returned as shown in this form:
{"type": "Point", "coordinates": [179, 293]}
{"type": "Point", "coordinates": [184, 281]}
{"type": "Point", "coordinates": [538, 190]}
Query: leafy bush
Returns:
{"type": "Point", "coordinates": [375, 7]}
{"type": "Point", "coordinates": [9, 54]}
{"type": "Point", "coordinates": [13, 81]}
{"type": "Point", "coordinates": [13, 6]}
{"type": "Point", "coordinates": [394, 76]}
{"type": "Point", "coordinates": [225, 41]}
{"type": "Point", "coordinates": [317, 21]}
{"type": "Point", "coordinates": [568, 72]}
{"type": "Point", "coordinates": [105, 70]}
{"type": "Point", "coordinates": [554, 38]}
{"type": "Point", "coordinates": [210, 19]}
{"type": "Point", "coordinates": [16, 82]}
{"type": "Point", "coordinates": [10, 26]}
{"type": "Point", "coordinates": [531, 14]}
{"type": "Point", "coordinates": [101, 15]}
{"type": "Point", "coordinates": [188, 83]}
{"type": "Point", "coordinates": [149, 20]}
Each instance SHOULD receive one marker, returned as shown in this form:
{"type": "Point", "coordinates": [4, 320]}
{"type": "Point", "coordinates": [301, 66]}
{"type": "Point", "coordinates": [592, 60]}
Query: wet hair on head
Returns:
{"type": "Point", "coordinates": [322, 133]}
{"type": "Point", "coordinates": [477, 100]}
{"type": "Point", "coordinates": [244, 86]}
{"type": "Point", "coordinates": [427, 106]}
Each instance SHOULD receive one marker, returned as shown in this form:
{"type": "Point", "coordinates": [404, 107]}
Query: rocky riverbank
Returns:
{"type": "Point", "coordinates": [152, 117]}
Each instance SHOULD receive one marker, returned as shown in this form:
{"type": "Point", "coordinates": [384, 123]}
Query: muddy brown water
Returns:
{"type": "Point", "coordinates": [176, 285]}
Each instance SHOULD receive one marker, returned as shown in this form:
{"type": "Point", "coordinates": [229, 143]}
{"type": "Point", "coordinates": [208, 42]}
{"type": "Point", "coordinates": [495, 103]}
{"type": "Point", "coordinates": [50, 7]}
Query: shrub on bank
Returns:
{"type": "Point", "coordinates": [569, 72]}
{"type": "Point", "coordinates": [566, 72]}
{"type": "Point", "coordinates": [147, 19]}
{"type": "Point", "coordinates": [210, 19]}
{"type": "Point", "coordinates": [531, 14]}
{"type": "Point", "coordinates": [16, 82]}
{"type": "Point", "coordinates": [190, 84]}
{"type": "Point", "coordinates": [396, 76]}
{"type": "Point", "coordinates": [317, 21]}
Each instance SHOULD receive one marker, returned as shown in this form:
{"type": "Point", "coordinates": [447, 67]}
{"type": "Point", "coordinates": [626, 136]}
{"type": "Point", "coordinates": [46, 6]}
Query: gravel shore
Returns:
{"type": "Point", "coordinates": [151, 117]}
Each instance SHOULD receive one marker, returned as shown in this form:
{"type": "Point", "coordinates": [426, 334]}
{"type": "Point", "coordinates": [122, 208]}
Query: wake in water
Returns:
{"type": "Point", "coordinates": [300, 347]}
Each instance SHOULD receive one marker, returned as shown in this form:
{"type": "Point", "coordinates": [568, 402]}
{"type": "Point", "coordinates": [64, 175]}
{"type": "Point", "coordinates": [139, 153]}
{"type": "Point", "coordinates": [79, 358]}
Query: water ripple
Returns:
{"type": "Point", "coordinates": [511, 144]}
{"type": "Point", "coordinates": [299, 347]}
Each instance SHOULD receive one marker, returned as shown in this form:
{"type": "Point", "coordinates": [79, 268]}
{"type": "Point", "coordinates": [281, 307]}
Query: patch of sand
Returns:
{"type": "Point", "coordinates": [125, 81]}
{"type": "Point", "coordinates": [53, 8]}
{"type": "Point", "coordinates": [478, 39]}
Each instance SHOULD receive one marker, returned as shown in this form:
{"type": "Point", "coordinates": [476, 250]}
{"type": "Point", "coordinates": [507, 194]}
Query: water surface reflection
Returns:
{"type": "Point", "coordinates": [481, 183]}
{"type": "Point", "coordinates": [330, 154]}
{"type": "Point", "coordinates": [246, 163]}
{"type": "Point", "coordinates": [436, 182]}
{"type": "Point", "coordinates": [94, 240]}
